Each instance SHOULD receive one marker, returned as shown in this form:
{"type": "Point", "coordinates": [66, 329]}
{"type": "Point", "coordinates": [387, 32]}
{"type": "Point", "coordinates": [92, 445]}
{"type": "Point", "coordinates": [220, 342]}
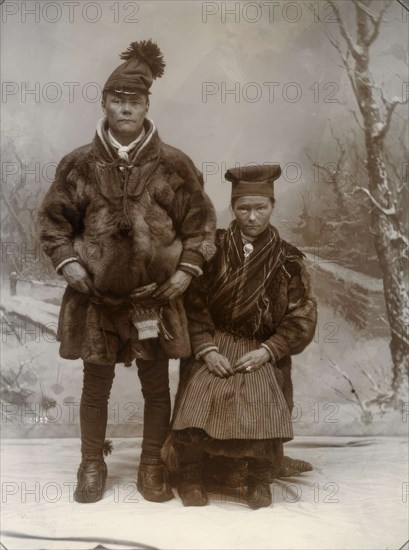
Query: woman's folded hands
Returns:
{"type": "Point", "coordinates": [220, 366]}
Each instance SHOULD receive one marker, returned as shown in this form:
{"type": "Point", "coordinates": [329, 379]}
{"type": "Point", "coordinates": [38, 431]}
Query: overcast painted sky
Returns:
{"type": "Point", "coordinates": [244, 82]}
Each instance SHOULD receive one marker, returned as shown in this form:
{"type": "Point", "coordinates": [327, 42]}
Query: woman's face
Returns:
{"type": "Point", "coordinates": [253, 214]}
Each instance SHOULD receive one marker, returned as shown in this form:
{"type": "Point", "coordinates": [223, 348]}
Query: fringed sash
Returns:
{"type": "Point", "coordinates": [238, 291]}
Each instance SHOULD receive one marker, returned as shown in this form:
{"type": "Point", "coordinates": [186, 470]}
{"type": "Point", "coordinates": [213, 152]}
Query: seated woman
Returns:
{"type": "Point", "coordinates": [250, 311]}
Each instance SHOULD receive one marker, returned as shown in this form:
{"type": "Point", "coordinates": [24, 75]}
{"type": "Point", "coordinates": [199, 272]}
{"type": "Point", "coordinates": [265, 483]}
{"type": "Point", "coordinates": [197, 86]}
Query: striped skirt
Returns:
{"type": "Point", "coordinates": [247, 405]}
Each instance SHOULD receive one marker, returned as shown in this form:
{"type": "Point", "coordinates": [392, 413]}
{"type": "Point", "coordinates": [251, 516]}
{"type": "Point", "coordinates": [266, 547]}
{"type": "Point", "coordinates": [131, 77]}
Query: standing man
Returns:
{"type": "Point", "coordinates": [127, 223]}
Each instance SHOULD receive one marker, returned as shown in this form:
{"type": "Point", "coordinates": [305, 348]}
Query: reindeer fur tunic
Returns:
{"type": "Point", "coordinates": [130, 225]}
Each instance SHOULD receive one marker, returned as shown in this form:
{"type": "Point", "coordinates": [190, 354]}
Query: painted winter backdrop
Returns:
{"type": "Point", "coordinates": [326, 101]}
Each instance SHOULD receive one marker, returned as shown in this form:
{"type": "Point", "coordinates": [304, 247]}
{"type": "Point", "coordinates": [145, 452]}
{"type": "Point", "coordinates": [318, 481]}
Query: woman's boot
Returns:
{"type": "Point", "coordinates": [190, 486]}
{"type": "Point", "coordinates": [258, 489]}
{"type": "Point", "coordinates": [293, 466]}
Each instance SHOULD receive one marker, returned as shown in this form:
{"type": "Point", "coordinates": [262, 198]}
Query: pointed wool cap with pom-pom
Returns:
{"type": "Point", "coordinates": [143, 64]}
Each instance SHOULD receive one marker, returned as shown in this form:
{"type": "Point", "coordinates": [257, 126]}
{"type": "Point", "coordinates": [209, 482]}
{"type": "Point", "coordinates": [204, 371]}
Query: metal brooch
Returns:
{"type": "Point", "coordinates": [248, 249]}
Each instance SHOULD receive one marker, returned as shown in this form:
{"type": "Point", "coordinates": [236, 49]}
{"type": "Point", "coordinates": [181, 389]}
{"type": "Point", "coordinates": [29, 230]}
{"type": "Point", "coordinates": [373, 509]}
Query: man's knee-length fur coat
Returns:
{"type": "Point", "coordinates": [129, 224]}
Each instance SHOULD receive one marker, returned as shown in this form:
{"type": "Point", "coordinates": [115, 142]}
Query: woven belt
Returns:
{"type": "Point", "coordinates": [145, 316]}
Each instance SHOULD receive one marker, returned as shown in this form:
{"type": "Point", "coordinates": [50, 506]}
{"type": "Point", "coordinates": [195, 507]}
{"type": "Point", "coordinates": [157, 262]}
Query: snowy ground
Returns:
{"type": "Point", "coordinates": [356, 498]}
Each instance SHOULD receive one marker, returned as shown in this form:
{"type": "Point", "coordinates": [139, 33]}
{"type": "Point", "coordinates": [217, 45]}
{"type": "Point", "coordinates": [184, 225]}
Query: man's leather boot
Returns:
{"type": "Point", "coordinates": [151, 481]}
{"type": "Point", "coordinates": [190, 486]}
{"type": "Point", "coordinates": [92, 475]}
{"type": "Point", "coordinates": [258, 488]}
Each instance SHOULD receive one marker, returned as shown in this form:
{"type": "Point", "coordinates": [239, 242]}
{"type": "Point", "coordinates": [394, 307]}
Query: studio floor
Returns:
{"type": "Point", "coordinates": [356, 498]}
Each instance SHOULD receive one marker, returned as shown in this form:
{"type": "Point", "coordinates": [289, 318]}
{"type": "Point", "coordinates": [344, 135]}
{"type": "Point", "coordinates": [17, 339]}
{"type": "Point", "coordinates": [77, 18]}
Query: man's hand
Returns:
{"type": "Point", "coordinates": [173, 287]}
{"type": "Point", "coordinates": [252, 361]}
{"type": "Point", "coordinates": [77, 277]}
{"type": "Point", "coordinates": [218, 364]}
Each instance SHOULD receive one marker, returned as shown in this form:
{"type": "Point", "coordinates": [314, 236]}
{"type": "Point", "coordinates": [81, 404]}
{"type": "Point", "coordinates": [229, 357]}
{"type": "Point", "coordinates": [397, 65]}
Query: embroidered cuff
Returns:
{"type": "Point", "coordinates": [61, 253]}
{"type": "Point", "coordinates": [192, 257]}
{"type": "Point", "coordinates": [277, 347]}
{"type": "Point", "coordinates": [191, 269]}
{"type": "Point", "coordinates": [202, 350]}
{"type": "Point", "coordinates": [66, 261]}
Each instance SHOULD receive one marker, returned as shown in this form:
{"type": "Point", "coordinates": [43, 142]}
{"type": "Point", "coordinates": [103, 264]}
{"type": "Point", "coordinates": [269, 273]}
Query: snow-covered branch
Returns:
{"type": "Point", "coordinates": [353, 48]}
{"type": "Point", "coordinates": [365, 9]}
{"type": "Point", "coordinates": [387, 211]}
{"type": "Point", "coordinates": [390, 107]}
{"type": "Point", "coordinates": [399, 236]}
{"type": "Point", "coordinates": [377, 23]}
{"type": "Point", "coordinates": [344, 60]}
{"type": "Point", "coordinates": [341, 149]}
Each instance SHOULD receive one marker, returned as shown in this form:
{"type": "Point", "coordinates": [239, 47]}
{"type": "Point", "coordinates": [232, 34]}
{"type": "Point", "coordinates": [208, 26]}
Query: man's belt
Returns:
{"type": "Point", "coordinates": [145, 314]}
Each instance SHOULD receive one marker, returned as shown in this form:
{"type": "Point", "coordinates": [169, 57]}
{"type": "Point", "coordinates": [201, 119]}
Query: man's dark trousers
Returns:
{"type": "Point", "coordinates": [98, 379]}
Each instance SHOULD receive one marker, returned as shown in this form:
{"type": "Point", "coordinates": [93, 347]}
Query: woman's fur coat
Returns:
{"type": "Point", "coordinates": [289, 328]}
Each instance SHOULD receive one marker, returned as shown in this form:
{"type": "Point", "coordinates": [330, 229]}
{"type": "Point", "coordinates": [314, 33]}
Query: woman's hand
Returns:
{"type": "Point", "coordinates": [252, 361]}
{"type": "Point", "coordinates": [77, 277]}
{"type": "Point", "coordinates": [218, 364]}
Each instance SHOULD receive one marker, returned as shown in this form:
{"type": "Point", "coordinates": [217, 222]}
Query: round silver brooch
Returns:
{"type": "Point", "coordinates": [248, 249]}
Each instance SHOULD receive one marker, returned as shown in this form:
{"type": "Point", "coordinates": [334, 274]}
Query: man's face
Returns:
{"type": "Point", "coordinates": [125, 114]}
{"type": "Point", "coordinates": [253, 214]}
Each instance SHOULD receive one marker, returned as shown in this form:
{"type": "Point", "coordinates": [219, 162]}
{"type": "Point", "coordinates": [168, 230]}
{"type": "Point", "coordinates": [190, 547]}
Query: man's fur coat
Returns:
{"type": "Point", "coordinates": [130, 225]}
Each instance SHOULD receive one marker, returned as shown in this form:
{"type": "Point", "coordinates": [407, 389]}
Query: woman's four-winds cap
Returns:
{"type": "Point", "coordinates": [253, 180]}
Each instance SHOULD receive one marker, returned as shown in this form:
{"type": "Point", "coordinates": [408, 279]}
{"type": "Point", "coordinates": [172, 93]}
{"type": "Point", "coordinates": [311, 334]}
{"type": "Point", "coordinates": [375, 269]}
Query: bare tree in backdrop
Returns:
{"type": "Point", "coordinates": [383, 193]}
